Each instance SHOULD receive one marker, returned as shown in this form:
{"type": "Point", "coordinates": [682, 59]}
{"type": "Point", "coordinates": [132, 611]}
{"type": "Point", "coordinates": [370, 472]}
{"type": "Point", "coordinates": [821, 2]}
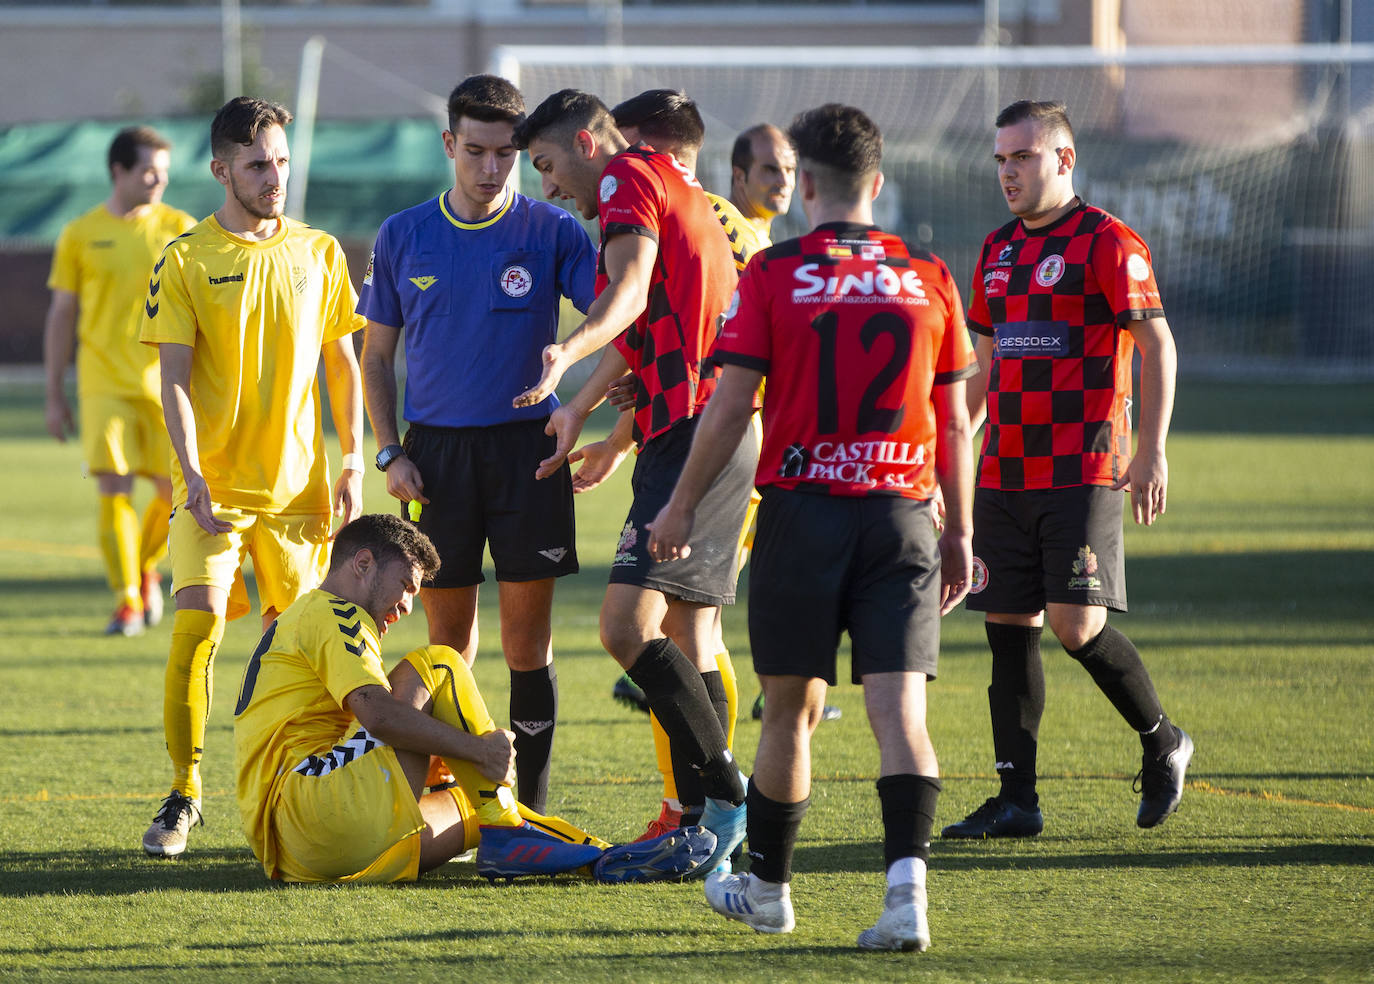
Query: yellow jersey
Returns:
{"type": "Point", "coordinates": [257, 314]}
{"type": "Point", "coordinates": [104, 259]}
{"type": "Point", "coordinates": [745, 239]}
{"type": "Point", "coordinates": [290, 709]}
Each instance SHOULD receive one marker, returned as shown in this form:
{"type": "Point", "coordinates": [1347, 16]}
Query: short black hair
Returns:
{"type": "Point", "coordinates": [742, 153]}
{"type": "Point", "coordinates": [561, 115]}
{"type": "Point", "coordinates": [667, 114]}
{"type": "Point", "coordinates": [1051, 114]}
{"type": "Point", "coordinates": [129, 141]}
{"type": "Point", "coordinates": [240, 120]}
{"type": "Point", "coordinates": [389, 538]}
{"type": "Point", "coordinates": [487, 99]}
{"type": "Point", "coordinates": [841, 147]}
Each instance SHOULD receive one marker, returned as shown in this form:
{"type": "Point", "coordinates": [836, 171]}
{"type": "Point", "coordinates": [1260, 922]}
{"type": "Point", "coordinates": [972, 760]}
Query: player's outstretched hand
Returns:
{"type": "Point", "coordinates": [621, 393]}
{"type": "Point", "coordinates": [956, 568]}
{"type": "Point", "coordinates": [1147, 478]}
{"type": "Point", "coordinates": [565, 424]}
{"type": "Point", "coordinates": [555, 364]}
{"type": "Point", "coordinates": [348, 498]}
{"type": "Point", "coordinates": [497, 756]}
{"type": "Point", "coordinates": [599, 461]}
{"type": "Point", "coordinates": [669, 533]}
{"type": "Point", "coordinates": [201, 508]}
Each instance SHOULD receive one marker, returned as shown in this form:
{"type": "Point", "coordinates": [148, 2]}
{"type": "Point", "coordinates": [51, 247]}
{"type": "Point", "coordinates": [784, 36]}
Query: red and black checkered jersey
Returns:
{"type": "Point", "coordinates": [646, 193]}
{"type": "Point", "coordinates": [853, 329]}
{"type": "Point", "coordinates": [1058, 303]}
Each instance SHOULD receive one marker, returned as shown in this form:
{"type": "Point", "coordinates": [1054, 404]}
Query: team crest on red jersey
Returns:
{"type": "Point", "coordinates": [1049, 270]}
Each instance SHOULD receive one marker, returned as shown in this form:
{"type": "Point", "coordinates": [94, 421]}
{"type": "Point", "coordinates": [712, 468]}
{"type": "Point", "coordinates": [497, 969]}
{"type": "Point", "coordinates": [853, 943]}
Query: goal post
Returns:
{"type": "Point", "coordinates": [1248, 169]}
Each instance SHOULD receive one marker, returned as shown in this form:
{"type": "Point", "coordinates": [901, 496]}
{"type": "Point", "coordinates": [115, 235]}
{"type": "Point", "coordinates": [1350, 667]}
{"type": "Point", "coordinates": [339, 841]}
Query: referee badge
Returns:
{"type": "Point", "coordinates": [516, 280]}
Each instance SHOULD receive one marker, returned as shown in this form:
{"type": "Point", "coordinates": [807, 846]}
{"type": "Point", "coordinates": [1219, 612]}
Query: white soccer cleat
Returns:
{"type": "Point", "coordinates": [902, 926]}
{"type": "Point", "coordinates": [765, 907]}
{"type": "Point", "coordinates": [166, 838]}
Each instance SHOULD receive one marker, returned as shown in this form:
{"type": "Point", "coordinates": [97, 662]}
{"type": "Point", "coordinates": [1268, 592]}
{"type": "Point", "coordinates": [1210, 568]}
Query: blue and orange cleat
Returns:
{"type": "Point", "coordinates": [672, 855]}
{"type": "Point", "coordinates": [510, 852]}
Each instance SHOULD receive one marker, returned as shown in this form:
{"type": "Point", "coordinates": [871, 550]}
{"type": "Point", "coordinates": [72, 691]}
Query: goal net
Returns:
{"type": "Point", "coordinates": [1249, 170]}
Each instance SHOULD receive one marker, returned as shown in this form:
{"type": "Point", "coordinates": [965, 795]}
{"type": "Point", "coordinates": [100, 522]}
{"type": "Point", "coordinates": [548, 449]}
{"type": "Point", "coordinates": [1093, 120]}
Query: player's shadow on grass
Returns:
{"type": "Point", "coordinates": [996, 856]}
{"type": "Point", "coordinates": [118, 872]}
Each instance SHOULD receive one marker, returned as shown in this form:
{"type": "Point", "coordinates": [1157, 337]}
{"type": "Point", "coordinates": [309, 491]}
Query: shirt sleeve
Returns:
{"type": "Point", "coordinates": [955, 360]}
{"type": "Point", "coordinates": [746, 338]}
{"type": "Point", "coordinates": [342, 318]}
{"type": "Point", "coordinates": [979, 317]}
{"type": "Point", "coordinates": [379, 300]}
{"type": "Point", "coordinates": [631, 199]}
{"type": "Point", "coordinates": [576, 264]}
{"type": "Point", "coordinates": [66, 263]}
{"type": "Point", "coordinates": [168, 315]}
{"type": "Point", "coordinates": [1121, 265]}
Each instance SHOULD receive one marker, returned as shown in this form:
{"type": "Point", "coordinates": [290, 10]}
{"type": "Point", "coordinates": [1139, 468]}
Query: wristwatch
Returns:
{"type": "Point", "coordinates": [387, 455]}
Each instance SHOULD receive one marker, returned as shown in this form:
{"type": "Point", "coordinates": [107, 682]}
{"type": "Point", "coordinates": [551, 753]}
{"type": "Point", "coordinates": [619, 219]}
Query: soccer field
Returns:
{"type": "Point", "coordinates": [1252, 604]}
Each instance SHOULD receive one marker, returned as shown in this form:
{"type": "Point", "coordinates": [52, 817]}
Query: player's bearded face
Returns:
{"type": "Point", "coordinates": [566, 175]}
{"type": "Point", "coordinates": [391, 592]}
{"type": "Point", "coordinates": [258, 173]}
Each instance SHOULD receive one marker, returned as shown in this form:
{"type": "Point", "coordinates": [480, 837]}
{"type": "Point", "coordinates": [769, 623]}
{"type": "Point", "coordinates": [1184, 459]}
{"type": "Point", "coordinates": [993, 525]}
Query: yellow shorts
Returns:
{"type": "Point", "coordinates": [290, 555]}
{"type": "Point", "coordinates": [342, 818]}
{"type": "Point", "coordinates": [124, 436]}
{"type": "Point", "coordinates": [751, 512]}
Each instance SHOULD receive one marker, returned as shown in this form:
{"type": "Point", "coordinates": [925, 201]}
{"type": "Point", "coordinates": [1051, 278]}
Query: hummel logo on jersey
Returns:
{"type": "Point", "coordinates": [424, 283]}
{"type": "Point", "coordinates": [233, 278]}
{"type": "Point", "coordinates": [554, 554]}
{"type": "Point", "coordinates": [532, 727]}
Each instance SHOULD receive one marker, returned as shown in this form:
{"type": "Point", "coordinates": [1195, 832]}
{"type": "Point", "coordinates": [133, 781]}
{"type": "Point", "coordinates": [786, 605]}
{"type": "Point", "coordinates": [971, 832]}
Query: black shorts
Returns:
{"type": "Point", "coordinates": [708, 575]}
{"type": "Point", "coordinates": [827, 564]}
{"type": "Point", "coordinates": [482, 491]}
{"type": "Point", "coordinates": [1043, 545]}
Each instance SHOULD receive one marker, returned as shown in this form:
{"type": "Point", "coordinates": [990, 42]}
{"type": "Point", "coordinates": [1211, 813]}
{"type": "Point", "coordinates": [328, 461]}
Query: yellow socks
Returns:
{"type": "Point", "coordinates": [187, 689]}
{"type": "Point", "coordinates": [119, 536]}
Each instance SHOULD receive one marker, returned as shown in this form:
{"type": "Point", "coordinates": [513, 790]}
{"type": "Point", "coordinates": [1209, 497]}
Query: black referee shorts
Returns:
{"type": "Point", "coordinates": [482, 493]}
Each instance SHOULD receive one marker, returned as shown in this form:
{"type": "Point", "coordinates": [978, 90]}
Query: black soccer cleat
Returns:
{"type": "Point", "coordinates": [1160, 783]}
{"type": "Point", "coordinates": [997, 818]}
{"type": "Point", "coordinates": [630, 695]}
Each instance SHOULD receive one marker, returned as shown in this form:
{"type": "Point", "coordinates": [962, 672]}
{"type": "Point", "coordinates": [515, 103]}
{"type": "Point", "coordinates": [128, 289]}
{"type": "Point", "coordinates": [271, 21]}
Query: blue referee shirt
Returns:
{"type": "Point", "coordinates": [477, 302]}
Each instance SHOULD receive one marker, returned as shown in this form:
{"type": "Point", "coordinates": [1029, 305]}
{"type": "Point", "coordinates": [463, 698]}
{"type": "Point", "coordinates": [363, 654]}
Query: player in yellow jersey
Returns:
{"type": "Point", "coordinates": [98, 280]}
{"type": "Point", "coordinates": [242, 308]}
{"type": "Point", "coordinates": [763, 175]}
{"type": "Point", "coordinates": [333, 752]}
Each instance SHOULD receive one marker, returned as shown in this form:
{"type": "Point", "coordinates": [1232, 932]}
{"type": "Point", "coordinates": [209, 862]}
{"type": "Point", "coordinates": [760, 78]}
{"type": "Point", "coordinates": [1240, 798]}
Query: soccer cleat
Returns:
{"type": "Point", "coordinates": [667, 821]}
{"type": "Point", "coordinates": [509, 852]}
{"type": "Point", "coordinates": [126, 621]}
{"type": "Point", "coordinates": [765, 907]}
{"type": "Point", "coordinates": [902, 926]}
{"type": "Point", "coordinates": [1160, 783]}
{"type": "Point", "coordinates": [998, 818]}
{"type": "Point", "coordinates": [828, 713]}
{"type": "Point", "coordinates": [727, 822]}
{"type": "Point", "coordinates": [151, 592]}
{"type": "Point", "coordinates": [673, 855]}
{"type": "Point", "coordinates": [166, 838]}
{"type": "Point", "coordinates": [630, 695]}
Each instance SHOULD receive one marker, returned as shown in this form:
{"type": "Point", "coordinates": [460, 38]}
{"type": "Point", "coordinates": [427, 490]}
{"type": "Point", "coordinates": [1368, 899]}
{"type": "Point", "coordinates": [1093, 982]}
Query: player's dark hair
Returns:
{"type": "Point", "coordinates": [1053, 116]}
{"type": "Point", "coordinates": [667, 115]}
{"type": "Point", "coordinates": [840, 146]}
{"type": "Point", "coordinates": [487, 99]}
{"type": "Point", "coordinates": [240, 120]}
{"type": "Point", "coordinates": [742, 153]}
{"type": "Point", "coordinates": [129, 141]}
{"type": "Point", "coordinates": [563, 114]}
{"type": "Point", "coordinates": [389, 538]}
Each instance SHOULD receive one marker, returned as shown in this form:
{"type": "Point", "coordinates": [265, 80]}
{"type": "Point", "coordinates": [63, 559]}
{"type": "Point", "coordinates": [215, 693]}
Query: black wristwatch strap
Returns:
{"type": "Point", "coordinates": [387, 455]}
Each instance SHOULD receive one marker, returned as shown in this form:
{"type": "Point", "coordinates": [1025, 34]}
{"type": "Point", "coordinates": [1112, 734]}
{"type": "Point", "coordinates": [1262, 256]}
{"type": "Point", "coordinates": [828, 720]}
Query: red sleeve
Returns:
{"type": "Point", "coordinates": [745, 339]}
{"type": "Point", "coordinates": [1121, 264]}
{"type": "Point", "coordinates": [631, 198]}
{"type": "Point", "coordinates": [955, 359]}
